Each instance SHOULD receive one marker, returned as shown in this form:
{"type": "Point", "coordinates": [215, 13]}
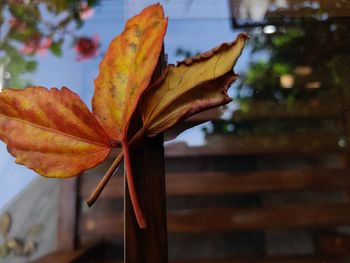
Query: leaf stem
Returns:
{"type": "Point", "coordinates": [138, 135]}
{"type": "Point", "coordinates": [102, 184]}
{"type": "Point", "coordinates": [130, 180]}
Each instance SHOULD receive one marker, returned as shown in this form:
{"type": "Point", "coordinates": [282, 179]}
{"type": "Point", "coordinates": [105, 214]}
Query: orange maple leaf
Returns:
{"type": "Point", "coordinates": [51, 131]}
{"type": "Point", "coordinates": [54, 133]}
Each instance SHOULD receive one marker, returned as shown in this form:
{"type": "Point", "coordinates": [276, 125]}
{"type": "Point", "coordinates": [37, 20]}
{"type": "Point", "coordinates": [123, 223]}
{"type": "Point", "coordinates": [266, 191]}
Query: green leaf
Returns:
{"type": "Point", "coordinates": [31, 66]}
{"type": "Point", "coordinates": [28, 13]}
{"type": "Point", "coordinates": [92, 2]}
{"type": "Point", "coordinates": [56, 48]}
{"type": "Point", "coordinates": [281, 68]}
{"type": "Point", "coordinates": [57, 6]}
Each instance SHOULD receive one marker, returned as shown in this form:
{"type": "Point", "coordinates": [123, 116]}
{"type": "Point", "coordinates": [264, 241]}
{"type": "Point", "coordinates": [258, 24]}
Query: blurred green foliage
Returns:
{"type": "Point", "coordinates": [305, 49]}
{"type": "Point", "coordinates": [29, 27]}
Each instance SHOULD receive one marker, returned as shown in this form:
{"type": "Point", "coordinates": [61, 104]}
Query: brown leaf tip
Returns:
{"type": "Point", "coordinates": [212, 52]}
{"type": "Point", "coordinates": [155, 10]}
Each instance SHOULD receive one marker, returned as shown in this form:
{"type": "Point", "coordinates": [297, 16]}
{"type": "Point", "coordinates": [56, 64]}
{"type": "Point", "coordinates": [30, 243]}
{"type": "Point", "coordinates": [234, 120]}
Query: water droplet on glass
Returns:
{"type": "Point", "coordinates": [342, 142]}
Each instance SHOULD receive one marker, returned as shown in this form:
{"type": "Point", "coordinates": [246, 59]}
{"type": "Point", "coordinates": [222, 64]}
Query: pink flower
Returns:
{"type": "Point", "coordinates": [16, 24]}
{"type": "Point", "coordinates": [37, 44]}
{"type": "Point", "coordinates": [86, 47]}
{"type": "Point", "coordinates": [85, 11]}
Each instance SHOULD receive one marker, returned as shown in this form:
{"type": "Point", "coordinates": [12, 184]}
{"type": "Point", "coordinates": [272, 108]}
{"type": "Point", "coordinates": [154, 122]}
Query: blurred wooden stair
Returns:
{"type": "Point", "coordinates": [105, 219]}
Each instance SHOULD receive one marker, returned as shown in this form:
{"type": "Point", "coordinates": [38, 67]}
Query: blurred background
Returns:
{"type": "Point", "coordinates": [264, 177]}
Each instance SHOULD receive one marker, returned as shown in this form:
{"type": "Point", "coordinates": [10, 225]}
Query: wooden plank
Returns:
{"type": "Point", "coordinates": [291, 259]}
{"type": "Point", "coordinates": [273, 260]}
{"type": "Point", "coordinates": [296, 143]}
{"type": "Point", "coordinates": [225, 219]}
{"type": "Point", "coordinates": [60, 256]}
{"type": "Point", "coordinates": [68, 215]}
{"type": "Point", "coordinates": [288, 216]}
{"type": "Point", "coordinates": [92, 251]}
{"type": "Point", "coordinates": [332, 244]}
{"type": "Point", "coordinates": [267, 181]}
{"type": "Point", "coordinates": [249, 182]}
{"type": "Point", "coordinates": [267, 110]}
{"type": "Point", "coordinates": [314, 110]}
{"type": "Point", "coordinates": [303, 143]}
{"type": "Point", "coordinates": [270, 110]}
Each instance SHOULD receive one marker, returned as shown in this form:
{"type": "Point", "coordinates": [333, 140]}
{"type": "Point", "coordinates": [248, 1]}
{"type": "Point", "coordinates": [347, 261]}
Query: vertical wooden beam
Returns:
{"type": "Point", "coordinates": [67, 214]}
{"type": "Point", "coordinates": [147, 245]}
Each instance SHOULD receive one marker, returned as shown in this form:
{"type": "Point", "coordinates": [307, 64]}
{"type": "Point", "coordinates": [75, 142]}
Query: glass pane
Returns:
{"type": "Point", "coordinates": [264, 176]}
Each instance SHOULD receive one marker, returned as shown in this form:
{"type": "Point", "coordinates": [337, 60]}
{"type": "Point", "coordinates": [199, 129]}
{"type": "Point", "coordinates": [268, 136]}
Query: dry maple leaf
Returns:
{"type": "Point", "coordinates": [125, 73]}
{"type": "Point", "coordinates": [193, 85]}
{"type": "Point", "coordinates": [54, 133]}
{"type": "Point", "coordinates": [51, 131]}
{"type": "Point", "coordinates": [126, 70]}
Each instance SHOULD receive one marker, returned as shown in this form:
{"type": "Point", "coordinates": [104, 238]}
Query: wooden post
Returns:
{"type": "Point", "coordinates": [147, 245]}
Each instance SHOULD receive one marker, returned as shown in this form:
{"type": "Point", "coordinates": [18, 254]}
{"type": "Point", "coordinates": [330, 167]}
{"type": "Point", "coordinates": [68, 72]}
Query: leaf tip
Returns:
{"type": "Point", "coordinates": [143, 225]}
{"type": "Point", "coordinates": [156, 8]}
{"type": "Point", "coordinates": [89, 202]}
{"type": "Point", "coordinates": [243, 35]}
